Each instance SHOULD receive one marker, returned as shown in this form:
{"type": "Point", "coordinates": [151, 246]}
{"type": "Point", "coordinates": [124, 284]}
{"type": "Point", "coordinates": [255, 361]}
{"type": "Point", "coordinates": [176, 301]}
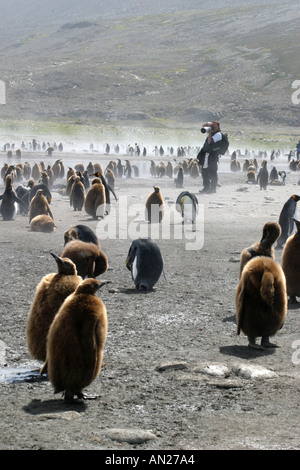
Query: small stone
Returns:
{"type": "Point", "coordinates": [132, 436]}
{"type": "Point", "coordinates": [171, 366]}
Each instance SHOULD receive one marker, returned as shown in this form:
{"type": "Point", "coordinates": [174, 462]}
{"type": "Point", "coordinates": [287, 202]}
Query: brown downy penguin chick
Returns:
{"type": "Point", "coordinates": [155, 206]}
{"type": "Point", "coordinates": [95, 200]}
{"type": "Point", "coordinates": [77, 194]}
{"type": "Point", "coordinates": [271, 232]}
{"type": "Point", "coordinates": [50, 294]}
{"type": "Point", "coordinates": [39, 205]}
{"type": "Point", "coordinates": [42, 223]}
{"type": "Point", "coordinates": [90, 261]}
{"type": "Point", "coordinates": [76, 340]}
{"type": "Point", "coordinates": [261, 301]}
{"type": "Point", "coordinates": [290, 262]}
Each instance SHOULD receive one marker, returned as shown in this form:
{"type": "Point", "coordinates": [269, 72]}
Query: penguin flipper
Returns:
{"type": "Point", "coordinates": [240, 307]}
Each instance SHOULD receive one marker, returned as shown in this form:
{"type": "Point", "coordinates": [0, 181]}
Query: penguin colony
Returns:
{"type": "Point", "coordinates": [64, 300]}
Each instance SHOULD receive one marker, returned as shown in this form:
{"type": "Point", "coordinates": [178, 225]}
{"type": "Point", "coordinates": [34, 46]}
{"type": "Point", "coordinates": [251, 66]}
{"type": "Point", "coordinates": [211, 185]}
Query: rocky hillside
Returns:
{"type": "Point", "coordinates": [150, 63]}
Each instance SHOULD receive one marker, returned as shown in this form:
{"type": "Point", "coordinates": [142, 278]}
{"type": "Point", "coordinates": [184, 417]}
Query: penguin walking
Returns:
{"type": "Point", "coordinates": [39, 205]}
{"type": "Point", "coordinates": [179, 178]}
{"type": "Point", "coordinates": [155, 207]}
{"type": "Point", "coordinates": [81, 232]}
{"type": "Point", "coordinates": [77, 194]}
{"type": "Point", "coordinates": [271, 232]}
{"type": "Point", "coordinates": [145, 261]}
{"type": "Point", "coordinates": [76, 341]}
{"type": "Point", "coordinates": [290, 262]}
{"type": "Point", "coordinates": [90, 261]}
{"type": "Point", "coordinates": [261, 301]}
{"type": "Point", "coordinates": [263, 176]}
{"type": "Point", "coordinates": [187, 205]}
{"type": "Point", "coordinates": [95, 200]}
{"type": "Point", "coordinates": [10, 200]}
{"type": "Point", "coordinates": [286, 219]}
{"type": "Point", "coordinates": [108, 189]}
{"type": "Point", "coordinates": [50, 294]}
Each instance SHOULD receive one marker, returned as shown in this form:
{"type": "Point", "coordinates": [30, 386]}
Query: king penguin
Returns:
{"type": "Point", "coordinates": [261, 301]}
{"type": "Point", "coordinates": [50, 293]}
{"type": "Point", "coordinates": [95, 199]}
{"type": "Point", "coordinates": [10, 200]}
{"type": "Point", "coordinates": [145, 261]}
{"type": "Point", "coordinates": [286, 219]}
{"type": "Point", "coordinates": [187, 205]}
{"type": "Point", "coordinates": [76, 341]}
{"type": "Point", "coordinates": [290, 262]}
{"type": "Point", "coordinates": [271, 232]}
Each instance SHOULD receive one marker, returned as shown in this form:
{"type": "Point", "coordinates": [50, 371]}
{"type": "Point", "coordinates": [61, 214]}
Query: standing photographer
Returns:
{"type": "Point", "coordinates": [209, 156]}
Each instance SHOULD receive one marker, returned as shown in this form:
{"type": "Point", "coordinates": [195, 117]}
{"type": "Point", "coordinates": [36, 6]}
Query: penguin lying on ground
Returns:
{"type": "Point", "coordinates": [76, 340]}
{"type": "Point", "coordinates": [261, 301]}
{"type": "Point", "coordinates": [290, 262]}
{"type": "Point", "coordinates": [271, 232]}
{"type": "Point", "coordinates": [90, 261]}
{"type": "Point", "coordinates": [42, 223]}
{"type": "Point", "coordinates": [145, 262]}
{"type": "Point", "coordinates": [286, 219]}
{"type": "Point", "coordinates": [49, 296]}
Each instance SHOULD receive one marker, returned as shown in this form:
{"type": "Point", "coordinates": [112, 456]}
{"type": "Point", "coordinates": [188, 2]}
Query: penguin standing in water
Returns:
{"type": "Point", "coordinates": [271, 232]}
{"type": "Point", "coordinates": [81, 232]}
{"type": "Point", "coordinates": [76, 341]}
{"type": "Point", "coordinates": [187, 205]}
{"type": "Point", "coordinates": [145, 262]}
{"type": "Point", "coordinates": [10, 200]}
{"type": "Point", "coordinates": [290, 262]}
{"type": "Point", "coordinates": [261, 301]}
{"type": "Point", "coordinates": [155, 206]}
{"type": "Point", "coordinates": [286, 219]}
{"type": "Point", "coordinates": [50, 294]}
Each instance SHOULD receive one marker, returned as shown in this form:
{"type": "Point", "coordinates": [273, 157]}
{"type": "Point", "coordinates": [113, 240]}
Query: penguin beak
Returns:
{"type": "Point", "coordinates": [102, 283]}
{"type": "Point", "coordinates": [55, 257]}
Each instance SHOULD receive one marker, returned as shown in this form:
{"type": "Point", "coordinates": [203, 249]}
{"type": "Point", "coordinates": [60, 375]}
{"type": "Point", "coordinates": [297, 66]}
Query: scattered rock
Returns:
{"type": "Point", "coordinates": [132, 436]}
{"type": "Point", "coordinates": [171, 366]}
{"type": "Point", "coordinates": [253, 371]}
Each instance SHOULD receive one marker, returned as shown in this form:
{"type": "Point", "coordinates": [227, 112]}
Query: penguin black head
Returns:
{"type": "Point", "coordinates": [64, 265]}
{"type": "Point", "coordinates": [97, 174]}
{"type": "Point", "coordinates": [295, 197]}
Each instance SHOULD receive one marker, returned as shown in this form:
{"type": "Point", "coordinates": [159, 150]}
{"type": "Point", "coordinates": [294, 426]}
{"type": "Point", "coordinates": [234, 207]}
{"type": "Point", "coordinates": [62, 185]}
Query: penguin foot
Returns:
{"type": "Point", "coordinates": [293, 300]}
{"type": "Point", "coordinates": [253, 345]}
{"type": "Point", "coordinates": [44, 368]}
{"type": "Point", "coordinates": [265, 342]}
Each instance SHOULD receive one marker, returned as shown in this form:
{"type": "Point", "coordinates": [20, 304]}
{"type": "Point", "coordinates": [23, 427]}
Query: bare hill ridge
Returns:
{"type": "Point", "coordinates": [150, 64]}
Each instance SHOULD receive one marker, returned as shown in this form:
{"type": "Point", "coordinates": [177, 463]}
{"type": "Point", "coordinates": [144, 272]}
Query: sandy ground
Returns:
{"type": "Point", "coordinates": [175, 375]}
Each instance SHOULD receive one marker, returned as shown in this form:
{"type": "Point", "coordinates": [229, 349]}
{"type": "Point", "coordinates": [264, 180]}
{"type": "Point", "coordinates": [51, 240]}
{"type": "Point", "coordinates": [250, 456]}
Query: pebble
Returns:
{"type": "Point", "coordinates": [171, 366]}
{"type": "Point", "coordinates": [253, 371]}
{"type": "Point", "coordinates": [132, 436]}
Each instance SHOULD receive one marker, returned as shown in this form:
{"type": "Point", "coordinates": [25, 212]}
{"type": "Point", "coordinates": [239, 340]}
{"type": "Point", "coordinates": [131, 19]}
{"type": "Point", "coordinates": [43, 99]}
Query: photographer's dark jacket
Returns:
{"type": "Point", "coordinates": [212, 150]}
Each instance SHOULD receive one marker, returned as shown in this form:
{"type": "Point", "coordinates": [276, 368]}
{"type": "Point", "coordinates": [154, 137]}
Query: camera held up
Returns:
{"type": "Point", "coordinates": [204, 130]}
